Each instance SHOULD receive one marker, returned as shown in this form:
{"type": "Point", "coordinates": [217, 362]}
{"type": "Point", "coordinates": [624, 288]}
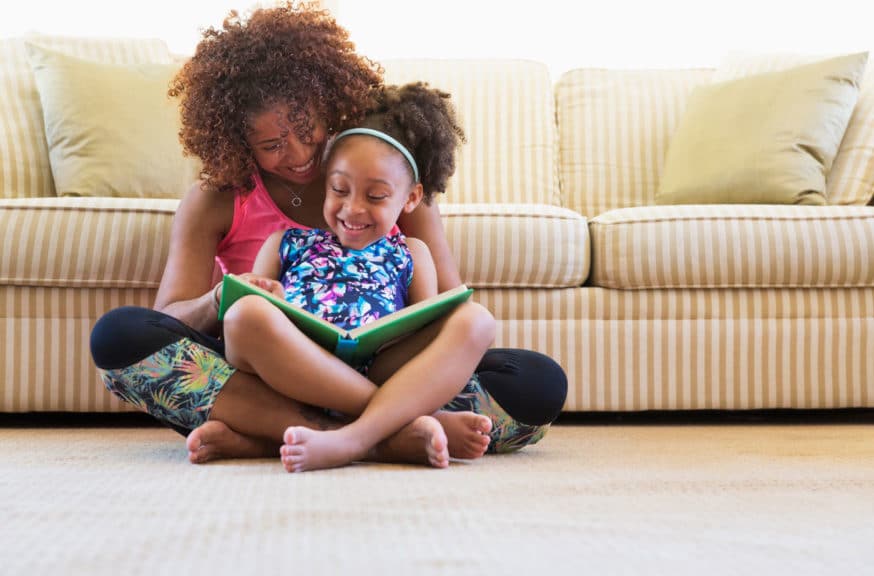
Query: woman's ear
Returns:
{"type": "Point", "coordinates": [415, 197]}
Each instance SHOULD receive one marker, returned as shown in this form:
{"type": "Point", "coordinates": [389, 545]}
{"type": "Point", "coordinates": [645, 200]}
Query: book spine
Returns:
{"type": "Point", "coordinates": [345, 349]}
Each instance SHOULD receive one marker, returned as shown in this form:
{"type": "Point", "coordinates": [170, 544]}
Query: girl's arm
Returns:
{"type": "Point", "coordinates": [424, 223]}
{"type": "Point", "coordinates": [424, 282]}
{"type": "Point", "coordinates": [265, 270]}
{"type": "Point", "coordinates": [186, 290]}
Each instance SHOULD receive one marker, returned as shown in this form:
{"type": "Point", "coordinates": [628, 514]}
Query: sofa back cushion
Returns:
{"type": "Point", "coordinates": [24, 158]}
{"type": "Point", "coordinates": [614, 128]}
{"type": "Point", "coordinates": [506, 110]}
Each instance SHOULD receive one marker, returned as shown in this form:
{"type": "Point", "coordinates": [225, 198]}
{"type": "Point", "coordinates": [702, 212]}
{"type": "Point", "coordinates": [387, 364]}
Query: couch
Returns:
{"type": "Point", "coordinates": [553, 217]}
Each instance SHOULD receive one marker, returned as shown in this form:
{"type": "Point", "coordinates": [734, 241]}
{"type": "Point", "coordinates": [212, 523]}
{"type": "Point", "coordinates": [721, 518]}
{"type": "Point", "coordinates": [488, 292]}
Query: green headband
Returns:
{"type": "Point", "coordinates": [385, 138]}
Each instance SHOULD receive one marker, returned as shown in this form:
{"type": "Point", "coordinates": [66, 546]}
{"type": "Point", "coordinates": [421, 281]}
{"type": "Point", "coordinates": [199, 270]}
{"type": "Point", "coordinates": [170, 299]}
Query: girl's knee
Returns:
{"type": "Point", "coordinates": [475, 324]}
{"type": "Point", "coordinates": [245, 315]}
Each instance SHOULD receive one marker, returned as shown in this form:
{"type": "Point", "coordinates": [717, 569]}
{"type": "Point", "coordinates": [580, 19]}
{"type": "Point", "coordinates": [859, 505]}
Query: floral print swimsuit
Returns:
{"type": "Point", "coordinates": [346, 287]}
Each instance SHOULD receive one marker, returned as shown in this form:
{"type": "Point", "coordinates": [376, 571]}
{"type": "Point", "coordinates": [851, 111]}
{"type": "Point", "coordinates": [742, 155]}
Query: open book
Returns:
{"type": "Point", "coordinates": [351, 346]}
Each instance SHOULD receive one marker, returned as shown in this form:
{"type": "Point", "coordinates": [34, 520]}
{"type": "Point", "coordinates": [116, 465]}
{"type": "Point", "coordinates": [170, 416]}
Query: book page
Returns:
{"type": "Point", "coordinates": [454, 295]}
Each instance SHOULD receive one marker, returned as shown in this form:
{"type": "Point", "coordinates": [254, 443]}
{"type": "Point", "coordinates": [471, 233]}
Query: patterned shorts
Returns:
{"type": "Point", "coordinates": [177, 384]}
{"type": "Point", "coordinates": [508, 434]}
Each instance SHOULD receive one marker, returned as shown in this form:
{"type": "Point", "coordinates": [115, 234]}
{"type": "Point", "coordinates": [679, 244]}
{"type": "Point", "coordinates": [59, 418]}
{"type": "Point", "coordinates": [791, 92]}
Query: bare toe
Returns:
{"type": "Point", "coordinates": [214, 440]}
{"type": "Point", "coordinates": [467, 433]}
{"type": "Point", "coordinates": [422, 441]}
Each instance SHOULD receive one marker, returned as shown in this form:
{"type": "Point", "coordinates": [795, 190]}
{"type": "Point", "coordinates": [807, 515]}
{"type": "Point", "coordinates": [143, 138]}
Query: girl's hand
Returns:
{"type": "Point", "coordinates": [268, 284]}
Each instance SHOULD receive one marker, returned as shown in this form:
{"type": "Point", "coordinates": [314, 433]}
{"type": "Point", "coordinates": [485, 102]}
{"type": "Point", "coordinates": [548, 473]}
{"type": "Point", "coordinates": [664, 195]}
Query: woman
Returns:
{"type": "Point", "coordinates": [259, 100]}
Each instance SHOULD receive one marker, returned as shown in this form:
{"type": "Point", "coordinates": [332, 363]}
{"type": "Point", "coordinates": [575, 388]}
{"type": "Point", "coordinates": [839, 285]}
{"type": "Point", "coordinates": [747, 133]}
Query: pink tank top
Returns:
{"type": "Point", "coordinates": [256, 217]}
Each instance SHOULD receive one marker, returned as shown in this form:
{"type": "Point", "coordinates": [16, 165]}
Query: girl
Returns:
{"type": "Point", "coordinates": [358, 268]}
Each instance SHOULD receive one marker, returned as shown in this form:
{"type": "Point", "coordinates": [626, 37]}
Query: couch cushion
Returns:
{"type": "Point", "coordinates": [111, 129]}
{"type": "Point", "coordinates": [763, 139]}
{"type": "Point", "coordinates": [84, 242]}
{"type": "Point", "coordinates": [124, 242]}
{"type": "Point", "coordinates": [24, 159]}
{"type": "Point", "coordinates": [851, 179]}
{"type": "Point", "coordinates": [505, 107]}
{"type": "Point", "coordinates": [517, 245]}
{"type": "Point", "coordinates": [733, 246]}
{"type": "Point", "coordinates": [614, 127]}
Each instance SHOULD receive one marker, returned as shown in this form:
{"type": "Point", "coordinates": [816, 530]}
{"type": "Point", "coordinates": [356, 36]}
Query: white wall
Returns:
{"type": "Point", "coordinates": [178, 22]}
{"type": "Point", "coordinates": [609, 33]}
{"type": "Point", "coordinates": [564, 33]}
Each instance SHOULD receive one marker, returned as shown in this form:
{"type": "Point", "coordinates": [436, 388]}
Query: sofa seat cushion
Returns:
{"type": "Point", "coordinates": [517, 245]}
{"type": "Point", "coordinates": [84, 242]}
{"type": "Point", "coordinates": [733, 246]}
{"type": "Point", "coordinates": [123, 243]}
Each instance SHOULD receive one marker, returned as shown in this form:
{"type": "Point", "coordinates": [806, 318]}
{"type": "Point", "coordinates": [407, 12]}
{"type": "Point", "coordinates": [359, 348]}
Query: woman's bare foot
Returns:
{"type": "Point", "coordinates": [468, 433]}
{"type": "Point", "coordinates": [421, 441]}
{"type": "Point", "coordinates": [214, 440]}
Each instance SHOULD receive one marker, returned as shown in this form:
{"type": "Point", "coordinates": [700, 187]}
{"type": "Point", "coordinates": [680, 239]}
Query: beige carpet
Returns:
{"type": "Point", "coordinates": [589, 499]}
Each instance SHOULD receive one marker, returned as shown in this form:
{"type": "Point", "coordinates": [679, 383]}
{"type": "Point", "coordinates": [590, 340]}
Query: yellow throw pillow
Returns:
{"type": "Point", "coordinates": [763, 139]}
{"type": "Point", "coordinates": [111, 129]}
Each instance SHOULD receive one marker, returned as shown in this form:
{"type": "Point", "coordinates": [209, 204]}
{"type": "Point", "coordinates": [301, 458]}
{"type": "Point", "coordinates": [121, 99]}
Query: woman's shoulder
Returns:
{"type": "Point", "coordinates": [206, 199]}
{"type": "Point", "coordinates": [209, 208]}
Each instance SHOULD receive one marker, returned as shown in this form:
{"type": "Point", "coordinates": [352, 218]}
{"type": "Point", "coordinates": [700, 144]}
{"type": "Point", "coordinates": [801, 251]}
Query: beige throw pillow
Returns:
{"type": "Point", "coordinates": [111, 129]}
{"type": "Point", "coordinates": [851, 179]}
{"type": "Point", "coordinates": [767, 138]}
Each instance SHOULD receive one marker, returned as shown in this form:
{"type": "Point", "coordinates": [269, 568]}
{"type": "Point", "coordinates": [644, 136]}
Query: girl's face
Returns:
{"type": "Point", "coordinates": [368, 185]}
{"type": "Point", "coordinates": [279, 151]}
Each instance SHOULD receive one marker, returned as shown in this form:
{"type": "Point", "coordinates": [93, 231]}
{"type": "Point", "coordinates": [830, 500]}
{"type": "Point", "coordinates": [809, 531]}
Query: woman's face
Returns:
{"type": "Point", "coordinates": [278, 149]}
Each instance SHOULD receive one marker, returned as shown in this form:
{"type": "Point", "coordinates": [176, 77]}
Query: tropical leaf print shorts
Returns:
{"type": "Point", "coordinates": [177, 384]}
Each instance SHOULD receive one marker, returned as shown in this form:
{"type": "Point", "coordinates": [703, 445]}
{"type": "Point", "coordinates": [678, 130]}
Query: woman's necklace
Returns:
{"type": "Point", "coordinates": [296, 200]}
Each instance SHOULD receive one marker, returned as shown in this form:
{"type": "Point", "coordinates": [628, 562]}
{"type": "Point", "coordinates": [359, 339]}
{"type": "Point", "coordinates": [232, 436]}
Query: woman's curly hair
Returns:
{"type": "Point", "coordinates": [295, 55]}
{"type": "Point", "coordinates": [423, 119]}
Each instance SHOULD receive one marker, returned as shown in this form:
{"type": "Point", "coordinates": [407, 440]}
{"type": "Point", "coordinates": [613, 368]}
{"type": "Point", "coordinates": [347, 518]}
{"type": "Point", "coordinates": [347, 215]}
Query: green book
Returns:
{"type": "Point", "coordinates": [351, 346]}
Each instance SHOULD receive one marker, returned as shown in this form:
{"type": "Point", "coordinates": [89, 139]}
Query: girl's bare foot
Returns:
{"type": "Point", "coordinates": [468, 433]}
{"type": "Point", "coordinates": [214, 440]}
{"type": "Point", "coordinates": [421, 441]}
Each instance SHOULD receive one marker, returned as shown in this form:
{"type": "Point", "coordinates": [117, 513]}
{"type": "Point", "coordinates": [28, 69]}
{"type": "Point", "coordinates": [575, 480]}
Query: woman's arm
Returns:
{"type": "Point", "coordinates": [424, 223]}
{"type": "Point", "coordinates": [186, 290]}
{"type": "Point", "coordinates": [424, 282]}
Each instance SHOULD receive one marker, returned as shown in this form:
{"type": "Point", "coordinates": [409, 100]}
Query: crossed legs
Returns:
{"type": "Point", "coordinates": [417, 376]}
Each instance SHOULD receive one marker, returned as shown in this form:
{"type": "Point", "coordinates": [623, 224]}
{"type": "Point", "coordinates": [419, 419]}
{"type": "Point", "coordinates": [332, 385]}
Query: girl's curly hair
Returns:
{"type": "Point", "coordinates": [423, 119]}
{"type": "Point", "coordinates": [293, 54]}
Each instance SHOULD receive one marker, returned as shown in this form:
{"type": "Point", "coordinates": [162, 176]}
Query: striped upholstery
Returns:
{"type": "Point", "coordinates": [698, 349]}
{"type": "Point", "coordinates": [25, 171]}
{"type": "Point", "coordinates": [85, 242]}
{"type": "Point", "coordinates": [517, 245]}
{"type": "Point", "coordinates": [851, 180]}
{"type": "Point", "coordinates": [622, 350]}
{"type": "Point", "coordinates": [614, 127]}
{"type": "Point", "coordinates": [505, 107]}
{"type": "Point", "coordinates": [45, 361]}
{"type": "Point", "coordinates": [735, 246]}
{"type": "Point", "coordinates": [123, 243]}
{"type": "Point", "coordinates": [762, 343]}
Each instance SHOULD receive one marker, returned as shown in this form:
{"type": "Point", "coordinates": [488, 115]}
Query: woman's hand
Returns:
{"type": "Point", "coordinates": [265, 283]}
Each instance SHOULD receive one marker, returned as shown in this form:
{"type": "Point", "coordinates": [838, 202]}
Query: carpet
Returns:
{"type": "Point", "coordinates": [588, 499]}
